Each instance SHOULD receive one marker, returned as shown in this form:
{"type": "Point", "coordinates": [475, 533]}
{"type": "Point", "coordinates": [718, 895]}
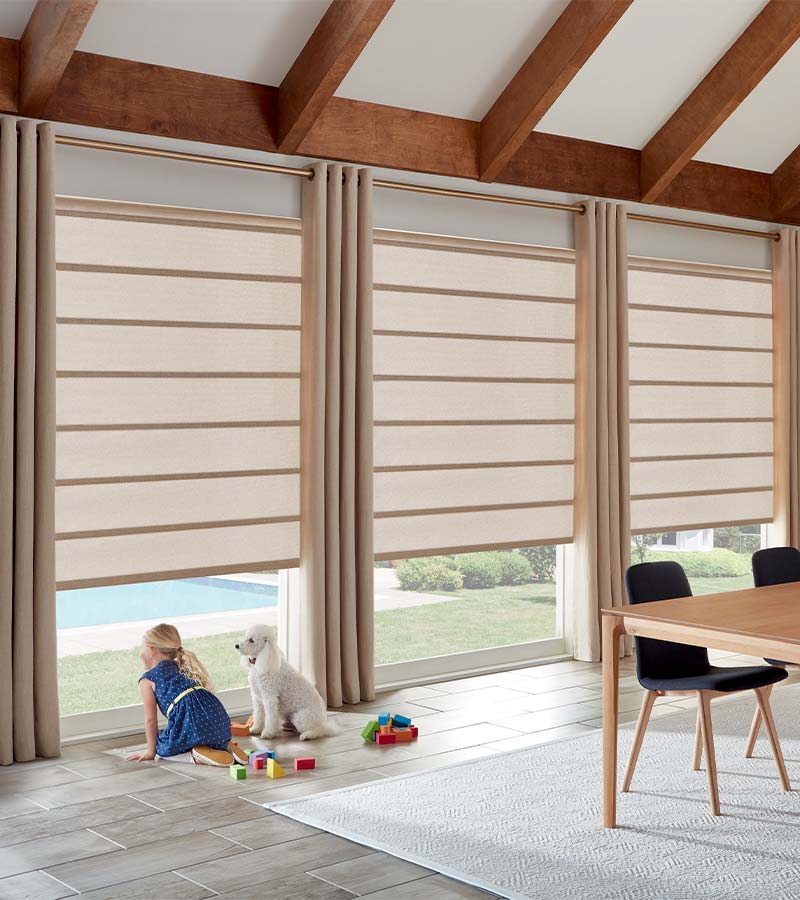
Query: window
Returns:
{"type": "Point", "coordinates": [474, 362]}
{"type": "Point", "coordinates": [177, 446]}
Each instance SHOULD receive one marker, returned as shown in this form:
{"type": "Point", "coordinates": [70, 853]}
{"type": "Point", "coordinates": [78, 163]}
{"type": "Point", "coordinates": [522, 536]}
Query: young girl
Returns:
{"type": "Point", "coordinates": [178, 683]}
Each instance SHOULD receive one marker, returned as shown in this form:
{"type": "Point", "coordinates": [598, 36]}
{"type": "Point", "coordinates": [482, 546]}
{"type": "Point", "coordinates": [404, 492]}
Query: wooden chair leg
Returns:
{"type": "Point", "coordinates": [641, 726]}
{"type": "Point", "coordinates": [704, 707]}
{"type": "Point", "coordinates": [698, 744]}
{"type": "Point", "coordinates": [762, 695]}
{"type": "Point", "coordinates": [754, 729]}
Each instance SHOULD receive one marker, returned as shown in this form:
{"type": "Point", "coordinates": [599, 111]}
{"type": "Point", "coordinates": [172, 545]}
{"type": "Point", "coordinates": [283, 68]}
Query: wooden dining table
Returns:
{"type": "Point", "coordinates": [762, 622]}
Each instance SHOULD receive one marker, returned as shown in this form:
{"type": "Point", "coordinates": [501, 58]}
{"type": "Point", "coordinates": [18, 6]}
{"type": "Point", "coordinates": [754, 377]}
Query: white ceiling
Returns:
{"type": "Point", "coordinates": [645, 68]}
{"type": "Point", "coordinates": [453, 57]}
{"type": "Point", "coordinates": [249, 39]}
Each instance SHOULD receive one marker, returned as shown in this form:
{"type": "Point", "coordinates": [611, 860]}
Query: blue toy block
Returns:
{"type": "Point", "coordinates": [402, 721]}
{"type": "Point", "coordinates": [383, 719]}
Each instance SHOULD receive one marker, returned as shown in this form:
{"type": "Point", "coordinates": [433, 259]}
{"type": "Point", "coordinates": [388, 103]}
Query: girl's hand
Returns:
{"type": "Point", "coordinates": [141, 757]}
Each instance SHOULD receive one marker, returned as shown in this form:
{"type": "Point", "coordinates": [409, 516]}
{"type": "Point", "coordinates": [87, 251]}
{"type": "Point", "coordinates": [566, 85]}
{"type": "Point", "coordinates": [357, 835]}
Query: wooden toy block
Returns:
{"type": "Point", "coordinates": [262, 754]}
{"type": "Point", "coordinates": [403, 736]}
{"type": "Point", "coordinates": [240, 729]}
{"type": "Point", "coordinates": [274, 770]}
{"type": "Point", "coordinates": [383, 719]}
{"type": "Point", "coordinates": [386, 739]}
{"type": "Point", "coordinates": [385, 729]}
{"type": "Point", "coordinates": [248, 751]}
{"type": "Point", "coordinates": [257, 764]}
{"type": "Point", "coordinates": [305, 762]}
{"type": "Point", "coordinates": [249, 722]}
{"type": "Point", "coordinates": [414, 731]}
{"type": "Point", "coordinates": [370, 729]}
{"type": "Point", "coordinates": [401, 721]}
{"type": "Point", "coordinates": [237, 772]}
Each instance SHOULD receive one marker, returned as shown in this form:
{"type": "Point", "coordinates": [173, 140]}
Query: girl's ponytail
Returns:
{"type": "Point", "coordinates": [166, 640]}
{"type": "Point", "coordinates": [192, 668]}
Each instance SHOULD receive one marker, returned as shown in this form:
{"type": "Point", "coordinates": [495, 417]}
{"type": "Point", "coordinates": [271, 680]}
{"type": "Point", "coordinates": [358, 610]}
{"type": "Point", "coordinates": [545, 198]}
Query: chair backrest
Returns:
{"type": "Point", "coordinates": [776, 565]}
{"type": "Point", "coordinates": [647, 582]}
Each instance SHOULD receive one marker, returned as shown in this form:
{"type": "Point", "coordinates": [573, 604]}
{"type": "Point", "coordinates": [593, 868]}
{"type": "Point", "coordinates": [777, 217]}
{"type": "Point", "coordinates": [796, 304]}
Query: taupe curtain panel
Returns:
{"type": "Point", "coordinates": [474, 394]}
{"type": "Point", "coordinates": [336, 541]}
{"type": "Point", "coordinates": [602, 530]}
{"type": "Point", "coordinates": [701, 378]}
{"type": "Point", "coordinates": [178, 413]}
{"type": "Point", "coordinates": [29, 719]}
{"type": "Point", "coordinates": [786, 299]}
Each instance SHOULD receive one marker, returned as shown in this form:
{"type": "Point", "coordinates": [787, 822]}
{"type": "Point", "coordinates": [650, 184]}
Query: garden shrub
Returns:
{"type": "Point", "coordinates": [543, 562]}
{"type": "Point", "coordinates": [717, 563]}
{"type": "Point", "coordinates": [480, 570]}
{"type": "Point", "coordinates": [514, 568]}
{"type": "Point", "coordinates": [432, 573]}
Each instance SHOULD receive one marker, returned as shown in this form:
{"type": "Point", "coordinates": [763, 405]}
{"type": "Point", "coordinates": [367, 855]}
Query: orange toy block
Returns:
{"type": "Point", "coordinates": [240, 729]}
{"type": "Point", "coordinates": [386, 729]}
{"type": "Point", "coordinates": [403, 736]}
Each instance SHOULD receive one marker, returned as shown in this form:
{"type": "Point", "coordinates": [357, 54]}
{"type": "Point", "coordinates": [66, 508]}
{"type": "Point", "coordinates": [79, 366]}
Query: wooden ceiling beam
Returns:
{"type": "Point", "coordinates": [771, 33]}
{"type": "Point", "coordinates": [123, 95]}
{"type": "Point", "coordinates": [541, 79]}
{"type": "Point", "coordinates": [784, 185]}
{"type": "Point", "coordinates": [322, 64]}
{"type": "Point", "coordinates": [46, 47]}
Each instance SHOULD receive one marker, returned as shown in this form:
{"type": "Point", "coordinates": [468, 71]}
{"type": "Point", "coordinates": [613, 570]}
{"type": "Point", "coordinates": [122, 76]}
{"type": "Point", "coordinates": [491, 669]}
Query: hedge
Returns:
{"type": "Point", "coordinates": [717, 563]}
{"type": "Point", "coordinates": [468, 570]}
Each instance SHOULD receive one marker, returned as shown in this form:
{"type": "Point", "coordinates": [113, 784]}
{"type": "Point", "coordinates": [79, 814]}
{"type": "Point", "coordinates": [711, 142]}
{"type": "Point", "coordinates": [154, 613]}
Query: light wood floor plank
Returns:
{"type": "Point", "coordinates": [293, 887]}
{"type": "Point", "coordinates": [51, 851]}
{"type": "Point", "coordinates": [165, 886]}
{"type": "Point", "coordinates": [368, 874]}
{"type": "Point", "coordinates": [262, 866]}
{"type": "Point", "coordinates": [33, 886]}
{"type": "Point", "coordinates": [46, 823]}
{"type": "Point", "coordinates": [149, 859]}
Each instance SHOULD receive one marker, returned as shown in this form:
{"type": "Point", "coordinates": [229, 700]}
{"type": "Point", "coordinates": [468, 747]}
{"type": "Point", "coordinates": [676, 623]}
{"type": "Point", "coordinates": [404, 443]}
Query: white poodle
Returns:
{"type": "Point", "coordinates": [279, 691]}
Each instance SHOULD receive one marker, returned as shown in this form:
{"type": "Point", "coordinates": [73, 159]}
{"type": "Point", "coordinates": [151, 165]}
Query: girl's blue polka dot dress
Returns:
{"type": "Point", "coordinates": [196, 719]}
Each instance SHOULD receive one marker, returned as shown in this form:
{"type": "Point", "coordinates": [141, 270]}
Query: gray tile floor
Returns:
{"type": "Point", "coordinates": [93, 824]}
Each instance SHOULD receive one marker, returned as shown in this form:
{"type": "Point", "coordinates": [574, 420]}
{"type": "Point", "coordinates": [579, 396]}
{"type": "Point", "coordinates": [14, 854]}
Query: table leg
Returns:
{"type": "Point", "coordinates": [612, 629]}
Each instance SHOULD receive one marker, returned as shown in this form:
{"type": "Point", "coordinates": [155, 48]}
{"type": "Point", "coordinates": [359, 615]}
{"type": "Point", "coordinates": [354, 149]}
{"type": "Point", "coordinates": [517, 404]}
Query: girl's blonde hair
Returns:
{"type": "Point", "coordinates": [166, 640]}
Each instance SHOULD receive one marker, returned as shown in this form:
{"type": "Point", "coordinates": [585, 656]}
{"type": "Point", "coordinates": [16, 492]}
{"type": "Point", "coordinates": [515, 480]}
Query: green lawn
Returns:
{"type": "Point", "coordinates": [472, 620]}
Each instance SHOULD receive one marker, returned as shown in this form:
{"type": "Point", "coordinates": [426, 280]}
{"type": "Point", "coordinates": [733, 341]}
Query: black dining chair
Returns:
{"type": "Point", "coordinates": [775, 565]}
{"type": "Point", "coordinates": [666, 668]}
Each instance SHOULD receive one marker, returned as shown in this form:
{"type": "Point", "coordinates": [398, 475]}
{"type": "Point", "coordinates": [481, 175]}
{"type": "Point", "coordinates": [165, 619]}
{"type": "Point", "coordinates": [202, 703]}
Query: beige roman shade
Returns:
{"type": "Point", "coordinates": [474, 364]}
{"type": "Point", "coordinates": [178, 357]}
{"type": "Point", "coordinates": [700, 395]}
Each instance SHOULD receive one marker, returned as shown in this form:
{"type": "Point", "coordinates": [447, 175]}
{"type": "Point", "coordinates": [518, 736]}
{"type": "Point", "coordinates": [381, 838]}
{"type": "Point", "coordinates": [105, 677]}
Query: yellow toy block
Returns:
{"type": "Point", "coordinates": [274, 770]}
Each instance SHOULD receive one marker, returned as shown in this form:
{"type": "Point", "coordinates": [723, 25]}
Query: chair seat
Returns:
{"type": "Point", "coordinates": [719, 678]}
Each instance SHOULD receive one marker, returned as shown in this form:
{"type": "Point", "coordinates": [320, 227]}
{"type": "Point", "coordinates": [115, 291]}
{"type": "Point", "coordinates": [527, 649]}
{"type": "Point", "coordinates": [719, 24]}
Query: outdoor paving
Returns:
{"type": "Point", "coordinates": [124, 635]}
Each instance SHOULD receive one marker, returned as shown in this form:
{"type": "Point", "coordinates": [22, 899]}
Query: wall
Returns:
{"type": "Point", "coordinates": [93, 173]}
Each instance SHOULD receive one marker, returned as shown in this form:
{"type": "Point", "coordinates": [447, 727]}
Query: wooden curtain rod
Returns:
{"type": "Point", "coordinates": [135, 150]}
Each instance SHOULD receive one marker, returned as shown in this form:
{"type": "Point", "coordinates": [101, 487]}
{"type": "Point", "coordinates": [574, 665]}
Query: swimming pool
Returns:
{"type": "Point", "coordinates": [159, 600]}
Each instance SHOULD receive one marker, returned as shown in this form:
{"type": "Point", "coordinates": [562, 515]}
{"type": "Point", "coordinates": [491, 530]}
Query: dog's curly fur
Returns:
{"type": "Point", "coordinates": [280, 693]}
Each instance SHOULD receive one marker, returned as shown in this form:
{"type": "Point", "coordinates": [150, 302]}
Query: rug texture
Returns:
{"type": "Point", "coordinates": [526, 824]}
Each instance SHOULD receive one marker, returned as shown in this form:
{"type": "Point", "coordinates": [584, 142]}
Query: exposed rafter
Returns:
{"type": "Point", "coordinates": [785, 186]}
{"type": "Point", "coordinates": [750, 57]}
{"type": "Point", "coordinates": [45, 49]}
{"type": "Point", "coordinates": [322, 64]}
{"type": "Point", "coordinates": [556, 60]}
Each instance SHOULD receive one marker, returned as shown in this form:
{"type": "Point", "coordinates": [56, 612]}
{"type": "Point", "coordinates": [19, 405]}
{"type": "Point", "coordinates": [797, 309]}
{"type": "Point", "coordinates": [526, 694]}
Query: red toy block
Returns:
{"type": "Point", "coordinates": [257, 763]}
{"type": "Point", "coordinates": [386, 739]}
{"type": "Point", "coordinates": [305, 762]}
{"type": "Point", "coordinates": [414, 731]}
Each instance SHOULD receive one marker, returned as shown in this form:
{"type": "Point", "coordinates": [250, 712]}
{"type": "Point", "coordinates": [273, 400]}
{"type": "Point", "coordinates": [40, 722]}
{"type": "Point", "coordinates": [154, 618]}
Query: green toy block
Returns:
{"type": "Point", "coordinates": [370, 730]}
{"type": "Point", "coordinates": [237, 772]}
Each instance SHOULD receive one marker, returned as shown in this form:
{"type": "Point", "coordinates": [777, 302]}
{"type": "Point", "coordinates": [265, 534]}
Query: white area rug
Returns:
{"type": "Point", "coordinates": [526, 824]}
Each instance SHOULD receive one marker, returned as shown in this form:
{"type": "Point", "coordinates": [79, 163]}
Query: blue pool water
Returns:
{"type": "Point", "coordinates": [159, 600]}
